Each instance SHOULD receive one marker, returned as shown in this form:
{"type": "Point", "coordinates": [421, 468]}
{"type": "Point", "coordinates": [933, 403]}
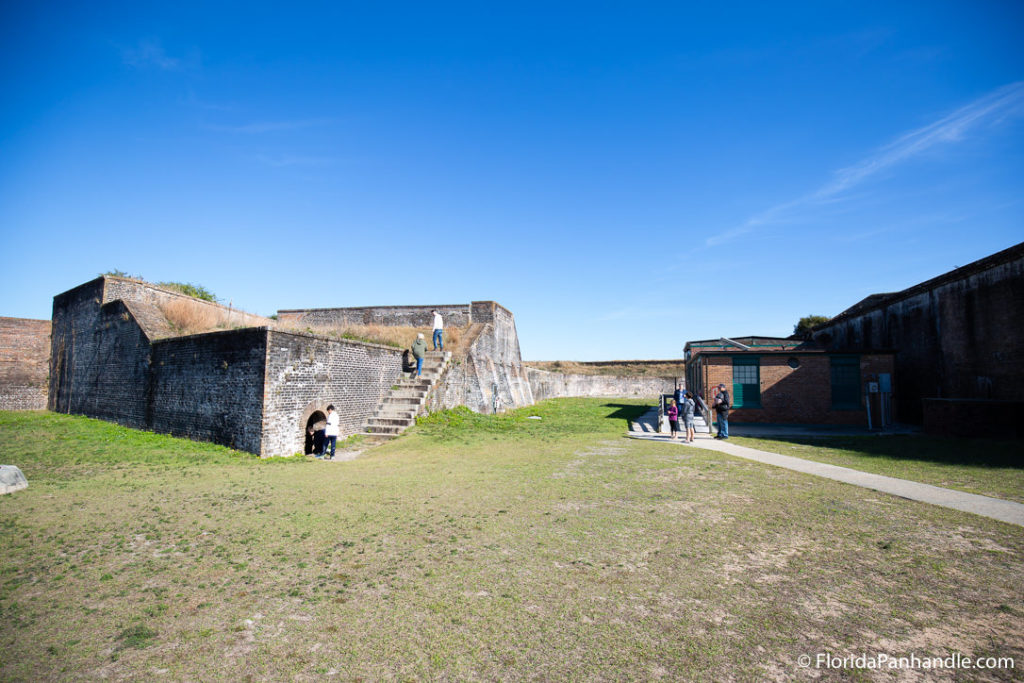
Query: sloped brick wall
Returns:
{"type": "Point", "coordinates": [24, 363]}
{"type": "Point", "coordinates": [99, 359]}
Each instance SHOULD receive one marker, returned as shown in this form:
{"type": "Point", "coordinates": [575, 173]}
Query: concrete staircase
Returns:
{"type": "Point", "coordinates": [647, 424]}
{"type": "Point", "coordinates": [398, 410]}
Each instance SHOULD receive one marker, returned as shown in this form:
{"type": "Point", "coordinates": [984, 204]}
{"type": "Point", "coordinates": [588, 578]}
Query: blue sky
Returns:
{"type": "Point", "coordinates": [623, 177]}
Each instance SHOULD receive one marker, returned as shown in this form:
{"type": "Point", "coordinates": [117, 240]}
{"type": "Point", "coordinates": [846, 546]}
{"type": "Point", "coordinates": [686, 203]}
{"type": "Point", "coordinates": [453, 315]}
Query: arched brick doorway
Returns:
{"type": "Point", "coordinates": [314, 432]}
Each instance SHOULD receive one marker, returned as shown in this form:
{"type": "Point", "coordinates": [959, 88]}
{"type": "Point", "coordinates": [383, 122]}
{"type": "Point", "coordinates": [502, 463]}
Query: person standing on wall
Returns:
{"type": "Point", "coordinates": [438, 331]}
{"type": "Point", "coordinates": [331, 432]}
{"type": "Point", "coordinates": [722, 405]}
{"type": "Point", "coordinates": [419, 349]}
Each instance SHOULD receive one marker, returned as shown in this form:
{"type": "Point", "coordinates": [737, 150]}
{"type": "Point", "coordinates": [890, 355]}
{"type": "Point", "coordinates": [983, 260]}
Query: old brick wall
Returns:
{"type": "Point", "coordinates": [457, 315]}
{"type": "Point", "coordinates": [545, 385]}
{"type": "Point", "coordinates": [99, 359]}
{"type": "Point", "coordinates": [209, 387]}
{"type": "Point", "coordinates": [24, 363]}
{"type": "Point", "coordinates": [957, 336]}
{"type": "Point", "coordinates": [305, 373]}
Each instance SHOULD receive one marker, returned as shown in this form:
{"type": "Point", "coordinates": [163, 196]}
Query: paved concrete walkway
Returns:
{"type": "Point", "coordinates": [1002, 510]}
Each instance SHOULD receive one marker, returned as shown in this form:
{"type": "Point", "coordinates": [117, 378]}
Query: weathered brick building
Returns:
{"type": "Point", "coordinates": [771, 379]}
{"type": "Point", "coordinates": [959, 345]}
{"type": "Point", "coordinates": [114, 356]}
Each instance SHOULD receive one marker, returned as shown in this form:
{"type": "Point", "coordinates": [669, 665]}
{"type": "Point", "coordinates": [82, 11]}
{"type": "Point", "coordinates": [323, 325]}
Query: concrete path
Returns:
{"type": "Point", "coordinates": [1002, 510]}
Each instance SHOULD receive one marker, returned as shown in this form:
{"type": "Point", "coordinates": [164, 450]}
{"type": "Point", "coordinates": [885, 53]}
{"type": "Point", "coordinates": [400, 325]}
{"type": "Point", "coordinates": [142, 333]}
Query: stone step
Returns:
{"type": "Point", "coordinates": [407, 393]}
{"type": "Point", "coordinates": [391, 415]}
{"type": "Point", "coordinates": [389, 429]}
{"type": "Point", "coordinates": [403, 400]}
{"type": "Point", "coordinates": [391, 421]}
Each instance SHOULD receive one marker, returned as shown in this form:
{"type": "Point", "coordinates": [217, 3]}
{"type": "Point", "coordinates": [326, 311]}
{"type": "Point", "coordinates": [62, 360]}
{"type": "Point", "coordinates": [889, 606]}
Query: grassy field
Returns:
{"type": "Point", "coordinates": [987, 467]}
{"type": "Point", "coordinates": [476, 548]}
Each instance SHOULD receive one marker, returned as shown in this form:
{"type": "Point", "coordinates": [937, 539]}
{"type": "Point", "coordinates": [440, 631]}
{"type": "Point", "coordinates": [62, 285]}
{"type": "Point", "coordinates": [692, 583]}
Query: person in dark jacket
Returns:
{"type": "Point", "coordinates": [408, 364]}
{"type": "Point", "coordinates": [419, 350]}
{"type": "Point", "coordinates": [721, 406]}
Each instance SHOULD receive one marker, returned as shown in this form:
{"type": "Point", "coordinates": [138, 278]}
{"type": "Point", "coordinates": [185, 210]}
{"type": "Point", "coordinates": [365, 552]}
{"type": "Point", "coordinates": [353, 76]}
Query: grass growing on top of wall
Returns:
{"type": "Point", "coordinates": [549, 550]}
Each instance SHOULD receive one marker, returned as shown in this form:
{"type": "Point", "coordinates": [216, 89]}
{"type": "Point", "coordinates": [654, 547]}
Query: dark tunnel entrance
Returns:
{"type": "Point", "coordinates": [315, 426]}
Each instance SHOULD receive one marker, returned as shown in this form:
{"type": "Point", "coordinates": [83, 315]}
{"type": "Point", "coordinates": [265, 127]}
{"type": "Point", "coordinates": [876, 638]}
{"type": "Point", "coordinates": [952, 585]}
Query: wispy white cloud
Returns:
{"type": "Point", "coordinates": [993, 108]}
{"type": "Point", "coordinates": [149, 53]}
{"type": "Point", "coordinates": [268, 126]}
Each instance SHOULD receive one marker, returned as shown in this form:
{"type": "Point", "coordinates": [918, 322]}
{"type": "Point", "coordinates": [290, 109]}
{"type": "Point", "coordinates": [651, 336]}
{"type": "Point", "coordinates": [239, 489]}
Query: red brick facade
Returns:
{"type": "Point", "coordinates": [795, 384]}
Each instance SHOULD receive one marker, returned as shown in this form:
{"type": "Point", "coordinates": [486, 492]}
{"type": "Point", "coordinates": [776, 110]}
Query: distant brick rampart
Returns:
{"type": "Point", "coordinates": [545, 385]}
{"type": "Point", "coordinates": [458, 315]}
{"type": "Point", "coordinates": [24, 363]}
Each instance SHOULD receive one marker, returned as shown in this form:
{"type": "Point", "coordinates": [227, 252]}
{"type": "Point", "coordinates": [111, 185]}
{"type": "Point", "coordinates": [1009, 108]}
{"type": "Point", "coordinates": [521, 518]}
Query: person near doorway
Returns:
{"type": "Point", "coordinates": [331, 432]}
{"type": "Point", "coordinates": [419, 350]}
{"type": "Point", "coordinates": [438, 331]}
{"type": "Point", "coordinates": [722, 405]}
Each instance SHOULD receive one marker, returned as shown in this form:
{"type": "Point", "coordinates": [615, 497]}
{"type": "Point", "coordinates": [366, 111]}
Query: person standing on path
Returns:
{"type": "Point", "coordinates": [687, 409]}
{"type": "Point", "coordinates": [722, 405]}
{"type": "Point", "coordinates": [673, 417]}
{"type": "Point", "coordinates": [419, 350]}
{"type": "Point", "coordinates": [331, 432]}
{"type": "Point", "coordinates": [438, 331]}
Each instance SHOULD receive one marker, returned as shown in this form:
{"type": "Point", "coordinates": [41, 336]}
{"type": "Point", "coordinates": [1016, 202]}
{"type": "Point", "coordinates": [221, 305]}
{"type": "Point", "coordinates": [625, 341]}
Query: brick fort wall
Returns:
{"type": "Point", "coordinates": [306, 373]}
{"type": "Point", "coordinates": [24, 363]}
{"type": "Point", "coordinates": [209, 387]}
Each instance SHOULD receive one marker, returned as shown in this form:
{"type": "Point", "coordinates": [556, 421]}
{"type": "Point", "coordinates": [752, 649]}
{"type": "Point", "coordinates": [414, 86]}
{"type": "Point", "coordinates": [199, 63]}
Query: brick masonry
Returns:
{"type": "Point", "coordinates": [490, 374]}
{"type": "Point", "coordinates": [209, 387]}
{"type": "Point", "coordinates": [251, 388]}
{"type": "Point", "coordinates": [788, 395]}
{"type": "Point", "coordinates": [24, 363]}
{"type": "Point", "coordinates": [396, 316]}
{"type": "Point", "coordinates": [306, 373]}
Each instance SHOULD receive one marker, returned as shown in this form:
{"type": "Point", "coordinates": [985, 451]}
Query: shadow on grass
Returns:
{"type": "Point", "coordinates": [626, 411]}
{"type": "Point", "coordinates": [941, 450]}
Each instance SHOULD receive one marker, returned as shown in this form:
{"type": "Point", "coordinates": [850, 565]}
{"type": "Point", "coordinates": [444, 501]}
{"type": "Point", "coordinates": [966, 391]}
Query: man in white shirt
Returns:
{"type": "Point", "coordinates": [331, 432]}
{"type": "Point", "coordinates": [438, 331]}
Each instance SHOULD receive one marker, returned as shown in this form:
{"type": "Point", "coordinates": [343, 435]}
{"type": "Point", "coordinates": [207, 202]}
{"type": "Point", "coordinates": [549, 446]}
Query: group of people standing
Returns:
{"type": "Point", "coordinates": [687, 406]}
{"type": "Point", "coordinates": [419, 347]}
{"type": "Point", "coordinates": [683, 406]}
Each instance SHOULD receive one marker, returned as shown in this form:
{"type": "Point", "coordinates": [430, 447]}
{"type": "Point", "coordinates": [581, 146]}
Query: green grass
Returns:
{"type": "Point", "coordinates": [984, 466]}
{"type": "Point", "coordinates": [474, 548]}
